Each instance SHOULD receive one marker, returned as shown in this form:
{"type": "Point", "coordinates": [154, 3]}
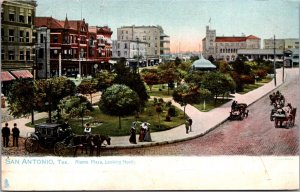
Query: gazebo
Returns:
{"type": "Point", "coordinates": [203, 64]}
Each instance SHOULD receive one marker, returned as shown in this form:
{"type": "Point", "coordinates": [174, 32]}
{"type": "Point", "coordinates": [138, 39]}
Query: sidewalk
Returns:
{"type": "Point", "coordinates": [203, 122]}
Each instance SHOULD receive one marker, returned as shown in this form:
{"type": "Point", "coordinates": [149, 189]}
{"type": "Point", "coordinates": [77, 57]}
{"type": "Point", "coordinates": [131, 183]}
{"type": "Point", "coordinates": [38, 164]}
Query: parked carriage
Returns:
{"type": "Point", "coordinates": [239, 111]}
{"type": "Point", "coordinates": [62, 141]}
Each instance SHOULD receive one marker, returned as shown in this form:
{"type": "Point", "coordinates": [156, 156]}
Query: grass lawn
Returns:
{"type": "Point", "coordinates": [159, 91]}
{"type": "Point", "coordinates": [250, 87]}
{"type": "Point", "coordinates": [109, 125]}
{"type": "Point", "coordinates": [209, 105]}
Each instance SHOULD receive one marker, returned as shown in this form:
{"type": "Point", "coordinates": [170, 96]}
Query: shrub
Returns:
{"type": "Point", "coordinates": [168, 118]}
{"type": "Point", "coordinates": [172, 111]}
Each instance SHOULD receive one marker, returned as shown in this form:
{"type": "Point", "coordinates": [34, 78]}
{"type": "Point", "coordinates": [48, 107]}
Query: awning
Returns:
{"type": "Point", "coordinates": [6, 76]}
{"type": "Point", "coordinates": [22, 74]}
{"type": "Point", "coordinates": [112, 61]}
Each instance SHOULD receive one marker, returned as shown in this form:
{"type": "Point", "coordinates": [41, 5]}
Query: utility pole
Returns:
{"type": "Point", "coordinates": [274, 63]}
{"type": "Point", "coordinates": [46, 64]}
{"type": "Point", "coordinates": [283, 61]}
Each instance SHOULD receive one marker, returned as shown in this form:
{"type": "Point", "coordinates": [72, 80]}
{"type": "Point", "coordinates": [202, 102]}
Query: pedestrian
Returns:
{"type": "Point", "coordinates": [16, 134]}
{"type": "Point", "coordinates": [5, 134]}
{"type": "Point", "coordinates": [142, 133]}
{"type": "Point", "coordinates": [132, 138]}
{"type": "Point", "coordinates": [187, 126]}
{"type": "Point", "coordinates": [147, 132]}
{"type": "Point", "coordinates": [87, 130]}
{"type": "Point", "coordinates": [190, 122]}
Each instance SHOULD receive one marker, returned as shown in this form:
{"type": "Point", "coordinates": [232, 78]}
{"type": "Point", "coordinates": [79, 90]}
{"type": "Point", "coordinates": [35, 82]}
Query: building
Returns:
{"type": "Point", "coordinates": [75, 47]}
{"type": "Point", "coordinates": [17, 35]}
{"type": "Point", "coordinates": [17, 40]}
{"type": "Point", "coordinates": [226, 48]}
{"type": "Point", "coordinates": [158, 43]}
{"type": "Point", "coordinates": [291, 43]}
{"type": "Point", "coordinates": [132, 51]}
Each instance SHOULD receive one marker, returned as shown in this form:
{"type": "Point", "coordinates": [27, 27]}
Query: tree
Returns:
{"type": "Point", "coordinates": [169, 76]}
{"type": "Point", "coordinates": [151, 79]}
{"type": "Point", "coordinates": [18, 97]}
{"type": "Point", "coordinates": [119, 100]}
{"type": "Point", "coordinates": [132, 80]}
{"type": "Point", "coordinates": [88, 86]}
{"type": "Point", "coordinates": [105, 79]}
{"type": "Point", "coordinates": [204, 95]}
{"type": "Point", "coordinates": [185, 94]}
{"type": "Point", "coordinates": [211, 59]}
{"type": "Point", "coordinates": [177, 61]}
{"type": "Point", "coordinates": [49, 92]}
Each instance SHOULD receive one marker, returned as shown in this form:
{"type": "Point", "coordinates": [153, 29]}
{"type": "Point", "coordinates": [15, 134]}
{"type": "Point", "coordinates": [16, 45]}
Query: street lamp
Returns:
{"type": "Point", "coordinates": [274, 63]}
{"type": "Point", "coordinates": [46, 64]}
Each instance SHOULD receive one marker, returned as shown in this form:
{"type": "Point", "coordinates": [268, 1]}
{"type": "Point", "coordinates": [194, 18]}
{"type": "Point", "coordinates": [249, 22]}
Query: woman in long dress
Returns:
{"type": "Point", "coordinates": [132, 138]}
{"type": "Point", "coordinates": [147, 132]}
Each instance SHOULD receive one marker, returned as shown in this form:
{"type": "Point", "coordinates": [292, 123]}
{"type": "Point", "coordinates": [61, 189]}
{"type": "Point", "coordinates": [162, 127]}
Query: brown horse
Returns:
{"type": "Point", "coordinates": [98, 141]}
{"type": "Point", "coordinates": [83, 142]}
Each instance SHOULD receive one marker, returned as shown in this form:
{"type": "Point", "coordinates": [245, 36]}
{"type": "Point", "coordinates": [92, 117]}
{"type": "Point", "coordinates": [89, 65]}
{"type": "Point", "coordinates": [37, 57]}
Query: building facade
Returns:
{"type": "Point", "coordinates": [226, 48]}
{"type": "Point", "coordinates": [17, 35]}
{"type": "Point", "coordinates": [158, 42]}
{"type": "Point", "coordinates": [291, 43]}
{"type": "Point", "coordinates": [75, 47]}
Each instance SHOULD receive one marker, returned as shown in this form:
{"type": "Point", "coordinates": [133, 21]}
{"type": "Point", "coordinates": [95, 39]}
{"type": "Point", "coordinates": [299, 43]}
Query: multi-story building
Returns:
{"type": "Point", "coordinates": [75, 48]}
{"type": "Point", "coordinates": [291, 43]}
{"type": "Point", "coordinates": [129, 49]}
{"type": "Point", "coordinates": [226, 48]}
{"type": "Point", "coordinates": [17, 35]}
{"type": "Point", "coordinates": [158, 42]}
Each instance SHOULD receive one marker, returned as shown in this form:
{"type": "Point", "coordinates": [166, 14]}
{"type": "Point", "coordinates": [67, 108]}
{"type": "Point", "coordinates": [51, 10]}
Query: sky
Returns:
{"type": "Point", "coordinates": [184, 21]}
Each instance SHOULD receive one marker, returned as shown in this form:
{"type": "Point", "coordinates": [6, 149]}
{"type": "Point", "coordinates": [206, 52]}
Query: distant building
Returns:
{"type": "Point", "coordinates": [17, 35]}
{"type": "Point", "coordinates": [82, 49]}
{"type": "Point", "coordinates": [158, 43]}
{"type": "Point", "coordinates": [291, 43]}
{"type": "Point", "coordinates": [17, 40]}
{"type": "Point", "coordinates": [226, 48]}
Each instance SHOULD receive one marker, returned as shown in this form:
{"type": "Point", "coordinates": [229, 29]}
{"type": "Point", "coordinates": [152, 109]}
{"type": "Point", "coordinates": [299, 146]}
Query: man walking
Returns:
{"type": "Point", "coordinates": [187, 125]}
{"type": "Point", "coordinates": [5, 134]}
{"type": "Point", "coordinates": [16, 134]}
{"type": "Point", "coordinates": [190, 122]}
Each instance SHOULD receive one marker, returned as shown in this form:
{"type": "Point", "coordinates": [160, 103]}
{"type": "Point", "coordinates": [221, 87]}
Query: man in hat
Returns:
{"type": "Point", "coordinates": [5, 134]}
{"type": "Point", "coordinates": [16, 134]}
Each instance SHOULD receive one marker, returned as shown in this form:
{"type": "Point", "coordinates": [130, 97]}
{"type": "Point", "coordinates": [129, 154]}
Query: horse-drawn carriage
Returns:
{"type": "Point", "coordinates": [283, 118]}
{"type": "Point", "coordinates": [277, 99]}
{"type": "Point", "coordinates": [62, 140]}
{"type": "Point", "coordinates": [238, 111]}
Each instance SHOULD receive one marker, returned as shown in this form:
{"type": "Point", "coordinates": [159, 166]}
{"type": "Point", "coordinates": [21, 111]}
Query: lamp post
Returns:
{"type": "Point", "coordinates": [274, 63]}
{"type": "Point", "coordinates": [46, 64]}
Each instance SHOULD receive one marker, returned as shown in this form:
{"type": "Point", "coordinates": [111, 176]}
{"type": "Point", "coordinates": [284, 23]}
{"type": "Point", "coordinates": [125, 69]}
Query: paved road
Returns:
{"type": "Point", "coordinates": [255, 135]}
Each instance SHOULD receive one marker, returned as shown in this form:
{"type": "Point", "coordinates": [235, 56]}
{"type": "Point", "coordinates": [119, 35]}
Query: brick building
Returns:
{"type": "Point", "coordinates": [75, 47]}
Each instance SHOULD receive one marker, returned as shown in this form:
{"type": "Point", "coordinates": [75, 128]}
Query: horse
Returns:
{"type": "Point", "coordinates": [98, 141]}
{"type": "Point", "coordinates": [82, 141]}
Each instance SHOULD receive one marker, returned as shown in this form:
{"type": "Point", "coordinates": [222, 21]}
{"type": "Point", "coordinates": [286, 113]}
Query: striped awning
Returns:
{"type": "Point", "coordinates": [6, 76]}
{"type": "Point", "coordinates": [22, 74]}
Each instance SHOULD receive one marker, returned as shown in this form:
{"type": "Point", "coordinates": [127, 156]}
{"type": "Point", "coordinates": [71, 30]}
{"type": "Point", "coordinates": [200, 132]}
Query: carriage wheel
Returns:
{"type": "Point", "coordinates": [60, 149]}
{"type": "Point", "coordinates": [31, 144]}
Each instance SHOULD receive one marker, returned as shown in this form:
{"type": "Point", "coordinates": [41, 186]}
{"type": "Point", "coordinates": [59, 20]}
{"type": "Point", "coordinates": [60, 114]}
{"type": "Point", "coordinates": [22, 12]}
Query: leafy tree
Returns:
{"type": "Point", "coordinates": [132, 80]}
{"type": "Point", "coordinates": [211, 59]}
{"type": "Point", "coordinates": [204, 95]}
{"type": "Point", "coordinates": [119, 100]}
{"type": "Point", "coordinates": [151, 79]}
{"type": "Point", "coordinates": [169, 76]}
{"type": "Point", "coordinates": [105, 79]}
{"type": "Point", "coordinates": [222, 66]}
{"type": "Point", "coordinates": [177, 61]}
{"type": "Point", "coordinates": [88, 86]}
{"type": "Point", "coordinates": [194, 58]}
{"type": "Point", "coordinates": [49, 92]}
{"type": "Point", "coordinates": [18, 97]}
{"type": "Point", "coordinates": [185, 94]}
{"type": "Point", "coordinates": [195, 78]}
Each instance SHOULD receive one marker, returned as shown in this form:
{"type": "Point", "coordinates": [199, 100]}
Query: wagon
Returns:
{"type": "Point", "coordinates": [285, 120]}
{"type": "Point", "coordinates": [239, 112]}
{"type": "Point", "coordinates": [46, 135]}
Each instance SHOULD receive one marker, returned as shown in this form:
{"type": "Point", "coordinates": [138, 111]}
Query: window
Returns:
{"type": "Point", "coordinates": [126, 32]}
{"type": "Point", "coordinates": [27, 37]}
{"type": "Point", "coordinates": [21, 37]}
{"type": "Point", "coordinates": [41, 38]}
{"type": "Point", "coordinates": [11, 34]}
{"type": "Point", "coordinates": [2, 54]}
{"type": "Point", "coordinates": [21, 19]}
{"type": "Point", "coordinates": [144, 37]}
{"type": "Point", "coordinates": [11, 55]}
{"type": "Point", "coordinates": [125, 53]}
{"type": "Point", "coordinates": [2, 34]}
{"type": "Point", "coordinates": [21, 55]}
{"type": "Point", "coordinates": [55, 39]}
{"type": "Point", "coordinates": [28, 55]}
{"type": "Point", "coordinates": [29, 19]}
{"type": "Point", "coordinates": [41, 53]}
{"type": "Point", "coordinates": [119, 53]}
{"type": "Point", "coordinates": [118, 45]}
{"type": "Point", "coordinates": [125, 46]}
{"type": "Point", "coordinates": [11, 16]}
{"type": "Point", "coordinates": [155, 52]}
